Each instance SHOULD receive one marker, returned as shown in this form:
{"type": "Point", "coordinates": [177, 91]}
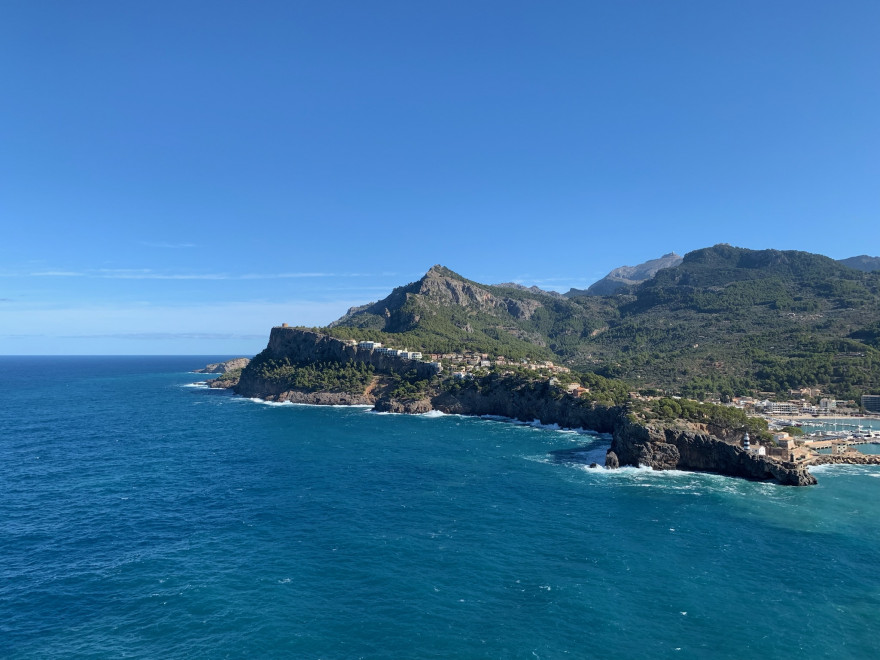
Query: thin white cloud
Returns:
{"type": "Point", "coordinates": [57, 273]}
{"type": "Point", "coordinates": [169, 246]}
{"type": "Point", "coordinates": [148, 274]}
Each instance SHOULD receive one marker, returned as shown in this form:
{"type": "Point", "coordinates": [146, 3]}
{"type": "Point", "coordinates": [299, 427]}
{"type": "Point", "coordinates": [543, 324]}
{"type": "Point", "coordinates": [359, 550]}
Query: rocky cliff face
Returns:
{"type": "Point", "coordinates": [305, 346]}
{"type": "Point", "coordinates": [527, 404]}
{"type": "Point", "coordinates": [514, 400]}
{"type": "Point", "coordinates": [675, 449]}
{"type": "Point", "coordinates": [633, 443]}
{"type": "Point", "coordinates": [442, 288]}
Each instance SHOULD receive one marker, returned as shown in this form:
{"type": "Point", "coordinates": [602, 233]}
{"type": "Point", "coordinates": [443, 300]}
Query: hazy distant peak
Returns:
{"type": "Point", "coordinates": [862, 262]}
{"type": "Point", "coordinates": [629, 275]}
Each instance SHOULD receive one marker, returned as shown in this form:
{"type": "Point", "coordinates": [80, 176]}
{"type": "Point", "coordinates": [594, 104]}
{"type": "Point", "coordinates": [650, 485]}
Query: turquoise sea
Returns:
{"type": "Point", "coordinates": [142, 517]}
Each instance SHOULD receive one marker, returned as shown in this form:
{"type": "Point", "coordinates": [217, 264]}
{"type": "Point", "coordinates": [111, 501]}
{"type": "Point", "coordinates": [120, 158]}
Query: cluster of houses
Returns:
{"type": "Point", "coordinates": [463, 365]}
{"type": "Point", "coordinates": [466, 364]}
{"type": "Point", "coordinates": [377, 347]}
{"type": "Point", "coordinates": [827, 406]}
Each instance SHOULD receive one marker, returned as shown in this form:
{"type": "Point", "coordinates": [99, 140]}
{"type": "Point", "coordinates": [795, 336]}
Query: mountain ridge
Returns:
{"type": "Point", "coordinates": [862, 262]}
{"type": "Point", "coordinates": [726, 319]}
{"type": "Point", "coordinates": [625, 276]}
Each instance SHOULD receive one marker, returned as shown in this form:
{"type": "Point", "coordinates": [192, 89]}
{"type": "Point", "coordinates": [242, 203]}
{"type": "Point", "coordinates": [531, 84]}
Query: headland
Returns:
{"type": "Point", "coordinates": [307, 366]}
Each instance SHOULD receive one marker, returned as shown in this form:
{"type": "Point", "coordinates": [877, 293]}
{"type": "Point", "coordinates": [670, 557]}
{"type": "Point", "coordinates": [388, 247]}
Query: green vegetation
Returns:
{"type": "Point", "coordinates": [445, 330]}
{"type": "Point", "coordinates": [722, 417]}
{"type": "Point", "coordinates": [725, 322]}
{"type": "Point", "coordinates": [232, 374]}
{"type": "Point", "coordinates": [793, 431]}
{"type": "Point", "coordinates": [352, 378]}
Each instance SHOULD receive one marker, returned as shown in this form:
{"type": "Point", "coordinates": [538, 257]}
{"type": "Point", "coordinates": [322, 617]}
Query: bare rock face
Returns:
{"type": "Point", "coordinates": [440, 287]}
{"type": "Point", "coordinates": [521, 309]}
{"type": "Point", "coordinates": [322, 398]}
{"type": "Point", "coordinates": [527, 403]}
{"type": "Point", "coordinates": [611, 460]}
{"type": "Point", "coordinates": [667, 449]}
{"type": "Point", "coordinates": [223, 367]}
{"type": "Point", "coordinates": [222, 384]}
{"type": "Point", "coordinates": [628, 275]}
{"type": "Point", "coordinates": [411, 406]}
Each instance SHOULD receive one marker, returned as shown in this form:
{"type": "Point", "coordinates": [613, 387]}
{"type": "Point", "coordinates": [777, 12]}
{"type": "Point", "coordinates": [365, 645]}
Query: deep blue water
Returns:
{"type": "Point", "coordinates": [143, 518]}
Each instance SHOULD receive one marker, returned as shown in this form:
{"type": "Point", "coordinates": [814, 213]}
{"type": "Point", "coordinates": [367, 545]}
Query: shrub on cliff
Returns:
{"type": "Point", "coordinates": [351, 378]}
{"type": "Point", "coordinates": [723, 417]}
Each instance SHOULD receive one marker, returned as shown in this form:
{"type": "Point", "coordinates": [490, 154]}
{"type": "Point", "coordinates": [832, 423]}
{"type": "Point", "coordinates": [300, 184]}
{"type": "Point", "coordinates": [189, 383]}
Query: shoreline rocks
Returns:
{"type": "Point", "coordinates": [223, 367]}
{"type": "Point", "coordinates": [633, 443]}
{"type": "Point", "coordinates": [675, 449]}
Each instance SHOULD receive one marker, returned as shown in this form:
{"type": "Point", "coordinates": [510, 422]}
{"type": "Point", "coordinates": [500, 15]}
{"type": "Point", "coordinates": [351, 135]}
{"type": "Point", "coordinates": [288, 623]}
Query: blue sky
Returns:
{"type": "Point", "coordinates": [179, 177]}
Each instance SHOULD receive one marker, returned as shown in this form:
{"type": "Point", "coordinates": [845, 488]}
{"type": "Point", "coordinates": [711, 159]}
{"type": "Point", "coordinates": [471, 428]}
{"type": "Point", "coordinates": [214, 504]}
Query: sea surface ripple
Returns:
{"type": "Point", "coordinates": [142, 518]}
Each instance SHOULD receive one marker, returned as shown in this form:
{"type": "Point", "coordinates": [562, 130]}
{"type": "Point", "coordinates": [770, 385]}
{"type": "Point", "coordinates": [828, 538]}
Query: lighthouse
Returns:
{"type": "Point", "coordinates": [746, 441]}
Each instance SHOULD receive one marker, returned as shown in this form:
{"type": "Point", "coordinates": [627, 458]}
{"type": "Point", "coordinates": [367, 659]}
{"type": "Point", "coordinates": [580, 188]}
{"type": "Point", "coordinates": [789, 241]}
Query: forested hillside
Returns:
{"type": "Point", "coordinates": [726, 320]}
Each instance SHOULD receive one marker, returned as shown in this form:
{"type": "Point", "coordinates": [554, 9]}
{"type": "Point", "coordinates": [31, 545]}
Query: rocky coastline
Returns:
{"type": "Point", "coordinates": [634, 443]}
{"type": "Point", "coordinates": [224, 367]}
{"type": "Point", "coordinates": [661, 448]}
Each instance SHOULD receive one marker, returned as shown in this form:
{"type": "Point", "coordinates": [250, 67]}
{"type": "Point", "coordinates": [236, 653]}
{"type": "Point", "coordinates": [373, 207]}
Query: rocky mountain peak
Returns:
{"type": "Point", "coordinates": [443, 286]}
{"type": "Point", "coordinates": [629, 275]}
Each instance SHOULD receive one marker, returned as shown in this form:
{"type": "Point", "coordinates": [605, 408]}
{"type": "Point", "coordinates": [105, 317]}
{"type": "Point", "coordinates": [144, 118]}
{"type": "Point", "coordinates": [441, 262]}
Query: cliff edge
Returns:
{"type": "Point", "coordinates": [678, 449]}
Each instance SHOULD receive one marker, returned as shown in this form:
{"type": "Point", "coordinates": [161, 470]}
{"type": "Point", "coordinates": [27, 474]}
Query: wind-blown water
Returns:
{"type": "Point", "coordinates": [141, 517]}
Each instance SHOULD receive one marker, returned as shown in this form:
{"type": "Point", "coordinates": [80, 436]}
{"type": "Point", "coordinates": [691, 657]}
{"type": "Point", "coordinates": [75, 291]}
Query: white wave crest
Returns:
{"type": "Point", "coordinates": [271, 403]}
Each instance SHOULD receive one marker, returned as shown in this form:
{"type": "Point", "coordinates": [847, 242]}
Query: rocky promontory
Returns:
{"type": "Point", "coordinates": [662, 446]}
{"type": "Point", "coordinates": [223, 367]}
{"type": "Point", "coordinates": [682, 449]}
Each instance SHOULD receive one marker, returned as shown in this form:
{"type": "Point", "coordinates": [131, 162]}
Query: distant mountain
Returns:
{"type": "Point", "coordinates": [624, 276]}
{"type": "Point", "coordinates": [725, 319]}
{"type": "Point", "coordinates": [862, 262]}
{"type": "Point", "coordinates": [533, 289]}
{"type": "Point", "coordinates": [443, 311]}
